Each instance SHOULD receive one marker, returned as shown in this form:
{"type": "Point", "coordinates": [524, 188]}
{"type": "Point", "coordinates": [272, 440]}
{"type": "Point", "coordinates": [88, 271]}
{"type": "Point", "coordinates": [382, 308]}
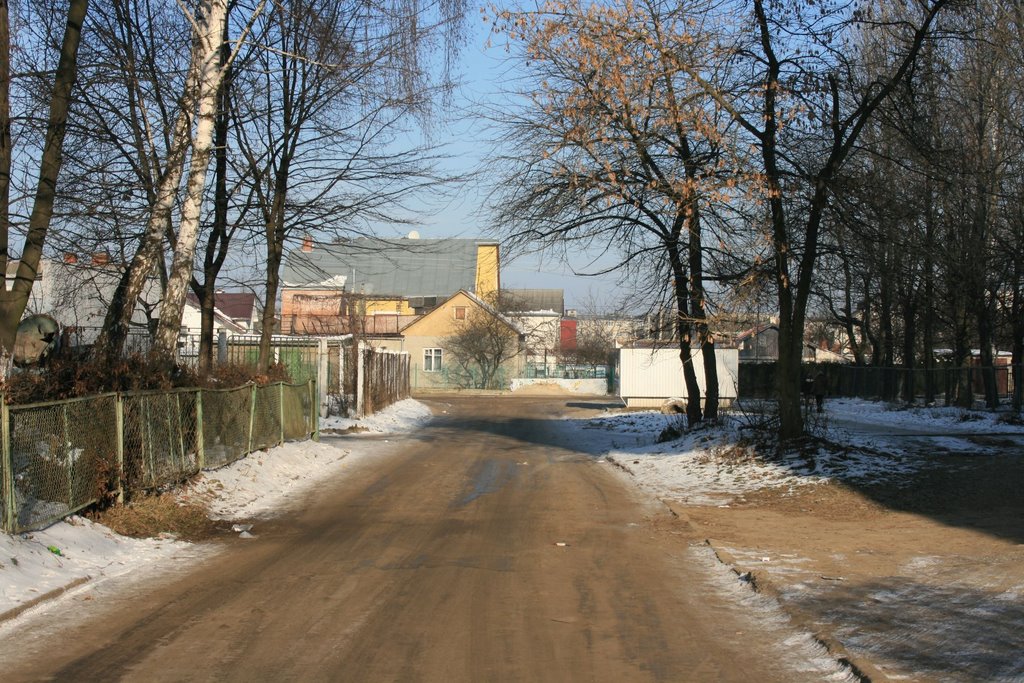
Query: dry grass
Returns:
{"type": "Point", "coordinates": [152, 516]}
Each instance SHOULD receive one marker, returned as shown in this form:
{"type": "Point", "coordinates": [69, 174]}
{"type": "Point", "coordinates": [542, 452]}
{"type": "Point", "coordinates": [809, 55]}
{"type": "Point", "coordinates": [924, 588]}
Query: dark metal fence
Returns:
{"type": "Point", "coordinates": [940, 384]}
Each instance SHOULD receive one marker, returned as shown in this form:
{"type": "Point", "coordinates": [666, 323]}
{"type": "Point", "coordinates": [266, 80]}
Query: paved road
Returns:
{"type": "Point", "coordinates": [435, 562]}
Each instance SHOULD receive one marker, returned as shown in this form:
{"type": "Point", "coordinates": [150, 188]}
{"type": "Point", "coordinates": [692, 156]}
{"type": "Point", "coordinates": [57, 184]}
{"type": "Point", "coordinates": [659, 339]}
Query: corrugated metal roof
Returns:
{"type": "Point", "coordinates": [400, 267]}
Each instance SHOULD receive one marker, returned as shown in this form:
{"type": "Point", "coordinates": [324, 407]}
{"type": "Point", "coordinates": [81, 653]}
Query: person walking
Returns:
{"type": "Point", "coordinates": [819, 387]}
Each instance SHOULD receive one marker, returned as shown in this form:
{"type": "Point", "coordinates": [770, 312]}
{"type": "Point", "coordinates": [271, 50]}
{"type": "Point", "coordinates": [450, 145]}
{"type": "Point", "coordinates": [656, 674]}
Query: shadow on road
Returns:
{"type": "Point", "coordinates": [978, 492]}
{"type": "Point", "coordinates": [952, 632]}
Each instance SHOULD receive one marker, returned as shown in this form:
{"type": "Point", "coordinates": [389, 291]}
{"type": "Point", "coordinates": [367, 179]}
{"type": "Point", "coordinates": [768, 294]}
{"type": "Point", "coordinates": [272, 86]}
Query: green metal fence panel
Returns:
{"type": "Point", "coordinates": [266, 431]}
{"type": "Point", "coordinates": [63, 457]}
{"type": "Point", "coordinates": [226, 414]}
{"type": "Point", "coordinates": [300, 361]}
{"type": "Point", "coordinates": [160, 439]}
{"type": "Point", "coordinates": [298, 410]}
{"type": "Point", "coordinates": [59, 457]}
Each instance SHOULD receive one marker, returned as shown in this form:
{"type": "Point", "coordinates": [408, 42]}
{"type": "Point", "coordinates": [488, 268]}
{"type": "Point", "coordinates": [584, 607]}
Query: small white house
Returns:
{"type": "Point", "coordinates": [647, 377]}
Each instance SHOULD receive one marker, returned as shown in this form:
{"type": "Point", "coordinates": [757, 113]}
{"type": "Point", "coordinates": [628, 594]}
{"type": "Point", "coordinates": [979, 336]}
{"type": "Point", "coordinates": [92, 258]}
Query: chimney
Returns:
{"type": "Point", "coordinates": [70, 258]}
{"type": "Point", "coordinates": [100, 258]}
{"type": "Point", "coordinates": [307, 244]}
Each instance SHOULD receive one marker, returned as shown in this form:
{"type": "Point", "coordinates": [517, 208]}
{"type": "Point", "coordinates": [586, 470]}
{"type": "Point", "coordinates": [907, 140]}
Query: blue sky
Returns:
{"type": "Point", "coordinates": [483, 70]}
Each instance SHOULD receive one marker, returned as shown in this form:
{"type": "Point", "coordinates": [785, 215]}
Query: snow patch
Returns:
{"type": "Point", "coordinates": [36, 563]}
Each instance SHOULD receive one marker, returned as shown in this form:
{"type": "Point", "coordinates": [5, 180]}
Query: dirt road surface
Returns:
{"type": "Point", "coordinates": [442, 559]}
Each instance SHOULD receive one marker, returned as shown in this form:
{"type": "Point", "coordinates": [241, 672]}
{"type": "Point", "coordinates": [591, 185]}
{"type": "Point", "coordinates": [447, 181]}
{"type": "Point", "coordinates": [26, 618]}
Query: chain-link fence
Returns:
{"type": "Point", "coordinates": [62, 456]}
{"type": "Point", "coordinates": [58, 457]}
{"type": "Point", "coordinates": [160, 437]}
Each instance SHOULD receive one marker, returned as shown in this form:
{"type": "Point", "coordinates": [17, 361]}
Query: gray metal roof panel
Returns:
{"type": "Point", "coordinates": [401, 267]}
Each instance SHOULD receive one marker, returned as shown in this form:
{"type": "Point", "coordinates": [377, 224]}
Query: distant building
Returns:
{"type": "Point", "coordinates": [424, 339]}
{"type": "Point", "coordinates": [539, 313]}
{"type": "Point", "coordinates": [341, 286]}
{"type": "Point", "coordinates": [241, 304]}
{"type": "Point", "coordinates": [76, 292]}
{"type": "Point", "coordinates": [760, 344]}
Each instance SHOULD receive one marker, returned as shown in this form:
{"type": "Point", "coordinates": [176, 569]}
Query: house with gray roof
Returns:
{"type": "Point", "coordinates": [327, 285]}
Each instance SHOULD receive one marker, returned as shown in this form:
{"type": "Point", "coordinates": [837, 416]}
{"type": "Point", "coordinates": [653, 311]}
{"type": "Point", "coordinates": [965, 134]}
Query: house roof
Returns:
{"type": "Point", "coordinates": [400, 267]}
{"type": "Point", "coordinates": [475, 299]}
{"type": "Point", "coordinates": [535, 300]}
{"type": "Point", "coordinates": [235, 304]}
{"type": "Point", "coordinates": [218, 315]}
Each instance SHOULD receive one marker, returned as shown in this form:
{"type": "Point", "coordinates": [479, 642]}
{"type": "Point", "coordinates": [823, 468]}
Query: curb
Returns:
{"type": "Point", "coordinates": [39, 599]}
{"type": "Point", "coordinates": [760, 582]}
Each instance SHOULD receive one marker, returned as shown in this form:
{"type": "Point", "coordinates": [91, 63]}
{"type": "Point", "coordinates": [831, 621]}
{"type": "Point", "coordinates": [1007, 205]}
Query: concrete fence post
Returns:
{"type": "Point", "coordinates": [321, 375]}
{"type": "Point", "coordinates": [222, 347]}
{"type": "Point", "coordinates": [252, 416]}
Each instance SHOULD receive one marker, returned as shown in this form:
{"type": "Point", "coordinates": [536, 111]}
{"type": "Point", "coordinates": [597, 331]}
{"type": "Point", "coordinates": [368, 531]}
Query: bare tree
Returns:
{"type": "Point", "coordinates": [482, 344]}
{"type": "Point", "coordinates": [321, 99]}
{"type": "Point", "coordinates": [14, 298]}
{"type": "Point", "coordinates": [795, 90]}
{"type": "Point", "coordinates": [616, 145]}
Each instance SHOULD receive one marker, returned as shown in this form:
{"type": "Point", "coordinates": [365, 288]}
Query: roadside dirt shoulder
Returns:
{"type": "Point", "coordinates": [921, 582]}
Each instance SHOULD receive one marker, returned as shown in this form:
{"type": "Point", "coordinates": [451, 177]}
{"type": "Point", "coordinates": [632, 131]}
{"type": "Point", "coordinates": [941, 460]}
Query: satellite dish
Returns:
{"type": "Point", "coordinates": [38, 336]}
{"type": "Point", "coordinates": [414, 235]}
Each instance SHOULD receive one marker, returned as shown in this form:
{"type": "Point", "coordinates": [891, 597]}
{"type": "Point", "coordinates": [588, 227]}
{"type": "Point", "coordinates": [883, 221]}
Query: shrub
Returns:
{"type": "Point", "coordinates": [63, 378]}
{"type": "Point", "coordinates": [151, 516]}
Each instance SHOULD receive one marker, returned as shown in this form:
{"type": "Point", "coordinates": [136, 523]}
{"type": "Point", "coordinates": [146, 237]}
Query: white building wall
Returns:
{"type": "Point", "coordinates": [649, 376]}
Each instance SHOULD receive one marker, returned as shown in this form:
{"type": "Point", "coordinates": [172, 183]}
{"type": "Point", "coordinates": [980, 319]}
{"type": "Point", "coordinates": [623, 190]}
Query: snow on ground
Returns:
{"type": "Point", "coordinates": [400, 417]}
{"type": "Point", "coordinates": [714, 466]}
{"type": "Point", "coordinates": [922, 419]}
{"type": "Point", "coordinates": [69, 552]}
{"type": "Point", "coordinates": [957, 617]}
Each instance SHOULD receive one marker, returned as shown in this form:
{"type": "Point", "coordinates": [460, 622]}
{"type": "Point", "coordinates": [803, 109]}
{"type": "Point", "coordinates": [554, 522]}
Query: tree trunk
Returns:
{"type": "Point", "coordinates": [698, 308]}
{"type": "Point", "coordinates": [275, 255]}
{"type": "Point", "coordinates": [928, 305]}
{"type": "Point", "coordinates": [117, 322]}
{"type": "Point", "coordinates": [987, 359]}
{"type": "Point", "coordinates": [180, 275]}
{"type": "Point", "coordinates": [269, 320]}
{"type": "Point", "coordinates": [963, 391]}
{"type": "Point", "coordinates": [5, 136]}
{"type": "Point", "coordinates": [684, 326]}
{"type": "Point", "coordinates": [220, 235]}
{"type": "Point", "coordinates": [887, 361]}
{"type": "Point", "coordinates": [909, 335]}
{"type": "Point", "coordinates": [14, 300]}
{"type": "Point", "coordinates": [856, 347]}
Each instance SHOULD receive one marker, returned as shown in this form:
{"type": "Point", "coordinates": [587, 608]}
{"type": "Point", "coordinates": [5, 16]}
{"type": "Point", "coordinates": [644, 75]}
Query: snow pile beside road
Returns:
{"type": "Point", "coordinates": [714, 466]}
{"type": "Point", "coordinates": [403, 416]}
{"type": "Point", "coordinates": [925, 419]}
{"type": "Point", "coordinates": [33, 565]}
{"type": "Point", "coordinates": [263, 481]}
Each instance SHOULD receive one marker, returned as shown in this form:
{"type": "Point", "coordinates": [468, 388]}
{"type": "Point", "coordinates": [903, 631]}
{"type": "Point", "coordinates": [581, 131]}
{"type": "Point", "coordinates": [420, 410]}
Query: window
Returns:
{"type": "Point", "coordinates": [431, 360]}
{"type": "Point", "coordinates": [460, 312]}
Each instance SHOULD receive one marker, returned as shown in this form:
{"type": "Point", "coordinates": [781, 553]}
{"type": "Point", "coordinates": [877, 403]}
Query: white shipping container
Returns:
{"type": "Point", "coordinates": [649, 376]}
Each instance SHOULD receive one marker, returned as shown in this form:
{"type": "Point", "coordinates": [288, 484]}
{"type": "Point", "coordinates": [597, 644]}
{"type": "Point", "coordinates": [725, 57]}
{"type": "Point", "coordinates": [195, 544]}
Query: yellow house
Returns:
{"type": "Point", "coordinates": [463, 343]}
{"type": "Point", "coordinates": [323, 284]}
